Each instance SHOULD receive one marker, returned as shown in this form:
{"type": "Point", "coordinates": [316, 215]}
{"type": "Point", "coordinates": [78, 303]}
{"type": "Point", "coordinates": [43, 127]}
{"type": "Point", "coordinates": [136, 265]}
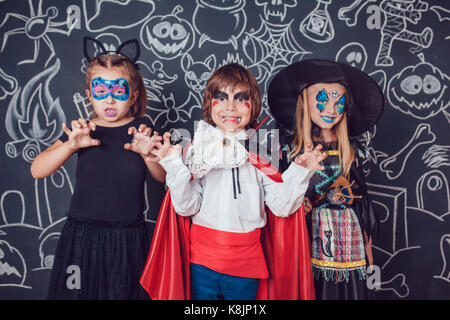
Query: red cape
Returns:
{"type": "Point", "coordinates": [285, 243]}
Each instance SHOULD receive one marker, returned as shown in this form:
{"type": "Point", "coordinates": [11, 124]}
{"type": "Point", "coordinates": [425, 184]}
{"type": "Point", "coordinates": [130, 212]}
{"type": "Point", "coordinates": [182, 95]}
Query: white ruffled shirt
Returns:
{"type": "Point", "coordinates": [231, 197]}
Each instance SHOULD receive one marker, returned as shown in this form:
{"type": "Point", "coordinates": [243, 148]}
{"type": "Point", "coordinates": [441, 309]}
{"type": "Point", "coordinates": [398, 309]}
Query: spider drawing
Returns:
{"type": "Point", "coordinates": [36, 27]}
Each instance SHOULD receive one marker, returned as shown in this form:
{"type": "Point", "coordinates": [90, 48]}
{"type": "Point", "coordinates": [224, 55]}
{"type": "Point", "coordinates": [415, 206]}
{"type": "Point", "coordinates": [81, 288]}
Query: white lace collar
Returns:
{"type": "Point", "coordinates": [212, 148]}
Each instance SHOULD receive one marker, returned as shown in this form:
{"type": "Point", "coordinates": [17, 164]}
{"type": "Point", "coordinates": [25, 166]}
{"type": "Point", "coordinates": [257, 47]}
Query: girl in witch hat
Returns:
{"type": "Point", "coordinates": [330, 103]}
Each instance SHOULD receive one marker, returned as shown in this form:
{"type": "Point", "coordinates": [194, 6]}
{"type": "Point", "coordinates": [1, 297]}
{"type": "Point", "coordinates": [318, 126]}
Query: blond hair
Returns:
{"type": "Point", "coordinates": [302, 134]}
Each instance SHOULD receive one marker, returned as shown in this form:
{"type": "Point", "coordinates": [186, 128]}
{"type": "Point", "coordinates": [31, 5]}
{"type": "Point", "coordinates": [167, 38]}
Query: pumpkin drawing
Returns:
{"type": "Point", "coordinates": [420, 91]}
{"type": "Point", "coordinates": [168, 36]}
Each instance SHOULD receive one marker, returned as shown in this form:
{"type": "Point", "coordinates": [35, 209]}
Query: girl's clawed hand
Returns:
{"type": "Point", "coordinates": [142, 142]}
{"type": "Point", "coordinates": [163, 149]}
{"type": "Point", "coordinates": [79, 136]}
{"type": "Point", "coordinates": [311, 158]}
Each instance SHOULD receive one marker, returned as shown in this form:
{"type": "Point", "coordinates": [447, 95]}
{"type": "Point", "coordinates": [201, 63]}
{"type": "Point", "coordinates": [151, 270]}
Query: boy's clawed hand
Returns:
{"type": "Point", "coordinates": [79, 136]}
{"type": "Point", "coordinates": [163, 149]}
{"type": "Point", "coordinates": [311, 158]}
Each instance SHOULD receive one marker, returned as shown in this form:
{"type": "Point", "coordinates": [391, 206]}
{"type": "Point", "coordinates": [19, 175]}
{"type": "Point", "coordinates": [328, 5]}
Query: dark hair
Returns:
{"type": "Point", "coordinates": [232, 75]}
{"type": "Point", "coordinates": [137, 82]}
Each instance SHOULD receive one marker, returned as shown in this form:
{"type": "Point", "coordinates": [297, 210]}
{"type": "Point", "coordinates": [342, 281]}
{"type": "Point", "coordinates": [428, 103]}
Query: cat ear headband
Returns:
{"type": "Point", "coordinates": [130, 49]}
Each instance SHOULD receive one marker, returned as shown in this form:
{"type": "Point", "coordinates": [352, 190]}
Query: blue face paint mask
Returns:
{"type": "Point", "coordinates": [119, 89]}
{"type": "Point", "coordinates": [321, 98]}
{"type": "Point", "coordinates": [340, 105]}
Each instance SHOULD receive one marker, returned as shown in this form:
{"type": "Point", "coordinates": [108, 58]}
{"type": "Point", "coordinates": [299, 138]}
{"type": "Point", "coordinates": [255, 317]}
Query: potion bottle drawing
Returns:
{"type": "Point", "coordinates": [317, 26]}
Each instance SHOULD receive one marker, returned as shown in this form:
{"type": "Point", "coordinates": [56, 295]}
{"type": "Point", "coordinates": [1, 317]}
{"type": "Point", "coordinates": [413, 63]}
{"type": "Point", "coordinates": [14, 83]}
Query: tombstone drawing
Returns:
{"type": "Point", "coordinates": [433, 193]}
{"type": "Point", "coordinates": [36, 27]}
{"type": "Point", "coordinates": [397, 14]}
{"type": "Point", "coordinates": [219, 22]}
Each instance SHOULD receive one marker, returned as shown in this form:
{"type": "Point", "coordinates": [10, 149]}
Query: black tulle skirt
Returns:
{"type": "Point", "coordinates": [96, 260]}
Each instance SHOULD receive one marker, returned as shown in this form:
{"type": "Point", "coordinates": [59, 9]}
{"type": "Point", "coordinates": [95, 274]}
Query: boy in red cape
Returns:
{"type": "Point", "coordinates": [230, 226]}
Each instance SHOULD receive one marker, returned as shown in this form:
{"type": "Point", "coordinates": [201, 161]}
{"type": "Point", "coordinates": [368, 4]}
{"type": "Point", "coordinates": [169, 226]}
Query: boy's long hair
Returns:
{"type": "Point", "coordinates": [302, 134]}
{"type": "Point", "coordinates": [233, 76]}
{"type": "Point", "coordinates": [110, 61]}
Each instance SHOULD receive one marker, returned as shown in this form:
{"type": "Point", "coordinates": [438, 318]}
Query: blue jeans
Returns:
{"type": "Point", "coordinates": [207, 284]}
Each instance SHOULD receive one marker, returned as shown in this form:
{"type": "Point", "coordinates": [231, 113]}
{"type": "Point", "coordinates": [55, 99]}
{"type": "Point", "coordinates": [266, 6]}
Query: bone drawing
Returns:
{"type": "Point", "coordinates": [350, 13]}
{"type": "Point", "coordinates": [394, 165]}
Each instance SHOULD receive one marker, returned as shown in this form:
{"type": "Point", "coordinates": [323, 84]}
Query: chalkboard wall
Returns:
{"type": "Point", "coordinates": [403, 44]}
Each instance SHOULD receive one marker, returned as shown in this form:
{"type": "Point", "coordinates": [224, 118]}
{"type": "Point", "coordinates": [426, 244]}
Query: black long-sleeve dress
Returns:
{"type": "Point", "coordinates": [342, 212]}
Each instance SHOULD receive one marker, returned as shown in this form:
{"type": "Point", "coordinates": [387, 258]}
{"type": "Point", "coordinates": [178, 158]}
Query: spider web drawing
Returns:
{"type": "Point", "coordinates": [271, 48]}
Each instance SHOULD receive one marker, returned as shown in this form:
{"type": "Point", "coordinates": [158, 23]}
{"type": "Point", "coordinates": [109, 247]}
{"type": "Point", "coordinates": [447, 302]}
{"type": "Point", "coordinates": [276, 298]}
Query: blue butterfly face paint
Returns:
{"type": "Point", "coordinates": [119, 89]}
{"type": "Point", "coordinates": [340, 105]}
{"type": "Point", "coordinates": [322, 99]}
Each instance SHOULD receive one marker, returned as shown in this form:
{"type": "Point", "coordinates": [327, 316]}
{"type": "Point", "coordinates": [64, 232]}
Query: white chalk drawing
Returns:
{"type": "Point", "coordinates": [276, 8]}
{"type": "Point", "coordinates": [101, 15]}
{"type": "Point", "coordinates": [261, 37]}
{"type": "Point", "coordinates": [354, 54]}
{"type": "Point", "coordinates": [432, 191]}
{"type": "Point", "coordinates": [168, 36]}
{"type": "Point", "coordinates": [397, 14]}
{"type": "Point", "coordinates": [33, 116]}
{"type": "Point", "coordinates": [437, 156]}
{"type": "Point", "coordinates": [8, 85]}
{"type": "Point", "coordinates": [229, 21]}
{"type": "Point", "coordinates": [350, 13]}
{"type": "Point", "coordinates": [171, 112]}
{"type": "Point", "coordinates": [12, 265]}
{"type": "Point", "coordinates": [197, 73]}
{"type": "Point", "coordinates": [394, 247]}
{"type": "Point", "coordinates": [442, 14]}
{"type": "Point", "coordinates": [270, 48]}
{"type": "Point", "coordinates": [154, 79]}
{"type": "Point", "coordinates": [36, 27]}
{"type": "Point", "coordinates": [420, 91]}
{"type": "Point", "coordinates": [381, 79]}
{"type": "Point", "coordinates": [83, 105]}
{"type": "Point", "coordinates": [445, 254]}
{"type": "Point", "coordinates": [317, 25]}
{"type": "Point", "coordinates": [394, 165]}
{"type": "Point", "coordinates": [16, 217]}
{"type": "Point", "coordinates": [34, 121]}
{"type": "Point", "coordinates": [397, 285]}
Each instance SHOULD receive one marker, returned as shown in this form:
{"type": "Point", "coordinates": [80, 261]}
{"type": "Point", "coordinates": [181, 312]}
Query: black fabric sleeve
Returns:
{"type": "Point", "coordinates": [363, 206]}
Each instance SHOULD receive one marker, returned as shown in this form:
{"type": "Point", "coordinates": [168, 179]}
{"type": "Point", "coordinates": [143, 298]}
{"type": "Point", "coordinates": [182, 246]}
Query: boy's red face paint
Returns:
{"type": "Point", "coordinates": [231, 109]}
